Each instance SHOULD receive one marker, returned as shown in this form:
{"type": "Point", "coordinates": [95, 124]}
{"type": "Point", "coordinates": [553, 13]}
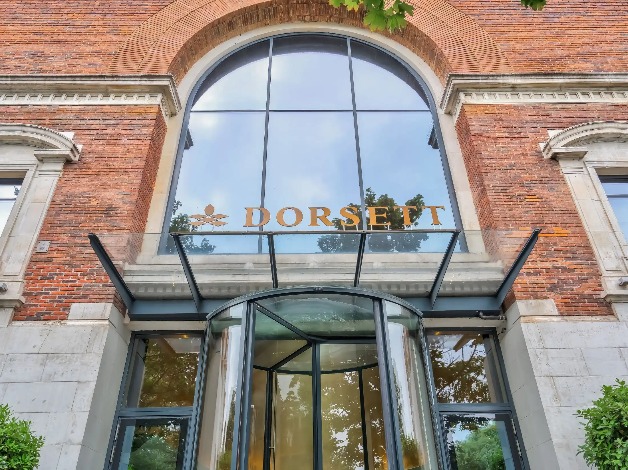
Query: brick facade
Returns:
{"type": "Point", "coordinates": [111, 187]}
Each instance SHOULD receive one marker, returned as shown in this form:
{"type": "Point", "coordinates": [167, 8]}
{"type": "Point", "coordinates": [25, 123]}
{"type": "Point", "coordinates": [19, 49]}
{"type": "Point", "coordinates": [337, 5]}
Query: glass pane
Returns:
{"type": "Point", "coordinates": [381, 82]}
{"type": "Point", "coordinates": [465, 368]}
{"type": "Point", "coordinates": [164, 371]}
{"type": "Point", "coordinates": [221, 387]}
{"type": "Point", "coordinates": [614, 187]}
{"type": "Point", "coordinates": [226, 154]}
{"type": "Point", "coordinates": [620, 209]}
{"type": "Point", "coordinates": [374, 418]}
{"type": "Point", "coordinates": [349, 315]}
{"type": "Point", "coordinates": [273, 342]}
{"type": "Point", "coordinates": [481, 441]}
{"type": "Point", "coordinates": [292, 442]}
{"type": "Point", "coordinates": [413, 408]}
{"type": "Point", "coordinates": [312, 166]}
{"type": "Point", "coordinates": [150, 444]}
{"type": "Point", "coordinates": [310, 72]}
{"type": "Point", "coordinates": [351, 407]}
{"type": "Point", "coordinates": [258, 419]}
{"type": "Point", "coordinates": [238, 82]}
{"type": "Point", "coordinates": [9, 189]}
{"type": "Point", "coordinates": [414, 178]}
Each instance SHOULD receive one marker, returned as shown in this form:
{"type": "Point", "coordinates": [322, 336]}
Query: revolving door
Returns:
{"type": "Point", "coordinates": [315, 380]}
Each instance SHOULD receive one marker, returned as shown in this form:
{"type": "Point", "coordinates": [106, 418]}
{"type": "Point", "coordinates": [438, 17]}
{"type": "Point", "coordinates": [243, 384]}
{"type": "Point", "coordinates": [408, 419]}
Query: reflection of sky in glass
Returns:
{"type": "Point", "coordinates": [619, 204]}
{"type": "Point", "coordinates": [311, 162]}
{"type": "Point", "coordinates": [310, 72]}
{"type": "Point", "coordinates": [8, 195]}
{"type": "Point", "coordinates": [223, 167]}
{"type": "Point", "coordinates": [241, 88]}
{"type": "Point", "coordinates": [397, 160]}
{"type": "Point", "coordinates": [377, 86]}
{"type": "Point", "coordinates": [311, 155]}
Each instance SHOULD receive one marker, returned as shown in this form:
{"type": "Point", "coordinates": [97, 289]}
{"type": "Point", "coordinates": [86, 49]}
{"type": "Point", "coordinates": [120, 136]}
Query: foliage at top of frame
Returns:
{"type": "Point", "coordinates": [383, 15]}
{"type": "Point", "coordinates": [19, 448]}
{"type": "Point", "coordinates": [606, 429]}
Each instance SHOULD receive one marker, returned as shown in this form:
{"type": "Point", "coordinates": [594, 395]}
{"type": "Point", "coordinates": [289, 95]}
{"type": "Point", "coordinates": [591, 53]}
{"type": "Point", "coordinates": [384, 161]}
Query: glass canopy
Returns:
{"type": "Point", "coordinates": [187, 275]}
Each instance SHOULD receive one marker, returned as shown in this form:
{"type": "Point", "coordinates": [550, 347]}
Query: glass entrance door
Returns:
{"type": "Point", "coordinates": [349, 409]}
{"type": "Point", "coordinates": [325, 382]}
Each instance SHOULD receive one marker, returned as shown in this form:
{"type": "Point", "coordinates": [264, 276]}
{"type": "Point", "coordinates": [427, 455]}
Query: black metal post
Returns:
{"type": "Point", "coordinates": [365, 446]}
{"type": "Point", "coordinates": [268, 419]}
{"type": "Point", "coordinates": [517, 265]}
{"type": "Point", "coordinates": [187, 269]}
{"type": "Point", "coordinates": [443, 267]}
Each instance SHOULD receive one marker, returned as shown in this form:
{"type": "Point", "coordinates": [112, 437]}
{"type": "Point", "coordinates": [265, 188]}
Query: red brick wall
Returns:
{"type": "Point", "coordinates": [515, 188]}
{"type": "Point", "coordinates": [110, 189]}
{"type": "Point", "coordinates": [107, 191]}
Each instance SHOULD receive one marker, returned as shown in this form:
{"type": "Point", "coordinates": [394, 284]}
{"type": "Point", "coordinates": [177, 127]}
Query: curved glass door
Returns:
{"type": "Point", "coordinates": [316, 383]}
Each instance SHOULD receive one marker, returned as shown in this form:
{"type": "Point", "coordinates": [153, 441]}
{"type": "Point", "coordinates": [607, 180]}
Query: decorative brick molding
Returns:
{"type": "Point", "coordinates": [461, 89]}
{"type": "Point", "coordinates": [181, 33]}
{"type": "Point", "coordinates": [90, 90]}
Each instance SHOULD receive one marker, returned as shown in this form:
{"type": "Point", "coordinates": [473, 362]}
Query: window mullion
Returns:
{"type": "Point", "coordinates": [357, 137]}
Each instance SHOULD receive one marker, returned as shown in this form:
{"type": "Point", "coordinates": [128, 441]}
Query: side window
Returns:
{"type": "Point", "coordinates": [155, 407]}
{"type": "Point", "coordinates": [9, 190]}
{"type": "Point", "coordinates": [471, 400]}
{"type": "Point", "coordinates": [616, 189]}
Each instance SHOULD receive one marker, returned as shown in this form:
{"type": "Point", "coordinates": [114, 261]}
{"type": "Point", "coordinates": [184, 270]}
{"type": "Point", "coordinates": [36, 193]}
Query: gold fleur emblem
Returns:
{"type": "Point", "coordinates": [208, 218]}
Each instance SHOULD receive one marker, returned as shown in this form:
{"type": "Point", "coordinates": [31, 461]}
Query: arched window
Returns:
{"type": "Point", "coordinates": [312, 123]}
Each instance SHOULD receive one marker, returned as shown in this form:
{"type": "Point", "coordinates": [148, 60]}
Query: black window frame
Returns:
{"type": "Point", "coordinates": [188, 415]}
{"type": "Point", "coordinates": [505, 407]}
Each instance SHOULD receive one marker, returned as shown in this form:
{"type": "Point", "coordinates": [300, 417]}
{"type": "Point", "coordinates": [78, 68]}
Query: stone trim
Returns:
{"type": "Point", "coordinates": [461, 89]}
{"type": "Point", "coordinates": [49, 143]}
{"type": "Point", "coordinates": [90, 90]}
{"type": "Point", "coordinates": [583, 152]}
{"type": "Point", "coordinates": [569, 142]}
{"type": "Point", "coordinates": [39, 154]}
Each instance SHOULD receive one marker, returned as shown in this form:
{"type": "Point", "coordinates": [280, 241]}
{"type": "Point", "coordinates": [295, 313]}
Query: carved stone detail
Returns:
{"type": "Point", "coordinates": [570, 142]}
{"type": "Point", "coordinates": [49, 144]}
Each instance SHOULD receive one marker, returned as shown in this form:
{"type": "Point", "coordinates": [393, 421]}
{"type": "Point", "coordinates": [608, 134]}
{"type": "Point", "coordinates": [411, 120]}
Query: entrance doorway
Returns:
{"type": "Point", "coordinates": [326, 382]}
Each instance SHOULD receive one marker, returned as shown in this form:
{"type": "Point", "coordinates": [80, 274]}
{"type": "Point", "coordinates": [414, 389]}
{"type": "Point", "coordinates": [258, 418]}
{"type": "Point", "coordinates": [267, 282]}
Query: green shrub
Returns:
{"type": "Point", "coordinates": [606, 429]}
{"type": "Point", "coordinates": [19, 448]}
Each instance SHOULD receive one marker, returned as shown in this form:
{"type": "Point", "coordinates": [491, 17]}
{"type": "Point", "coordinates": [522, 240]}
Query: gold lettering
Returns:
{"type": "Point", "coordinates": [298, 217]}
{"type": "Point", "coordinates": [373, 215]}
{"type": "Point", "coordinates": [249, 216]}
{"type": "Point", "coordinates": [349, 212]}
{"type": "Point", "coordinates": [314, 217]}
{"type": "Point", "coordinates": [432, 209]}
{"type": "Point", "coordinates": [405, 210]}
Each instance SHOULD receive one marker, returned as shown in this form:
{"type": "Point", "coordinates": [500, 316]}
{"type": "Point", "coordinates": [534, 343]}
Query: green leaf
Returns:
{"type": "Point", "coordinates": [352, 4]}
{"type": "Point", "coordinates": [336, 3]}
{"type": "Point", "coordinates": [376, 20]}
{"type": "Point", "coordinates": [534, 4]}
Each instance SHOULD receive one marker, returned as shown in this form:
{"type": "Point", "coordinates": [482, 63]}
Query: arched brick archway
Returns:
{"type": "Point", "coordinates": [180, 34]}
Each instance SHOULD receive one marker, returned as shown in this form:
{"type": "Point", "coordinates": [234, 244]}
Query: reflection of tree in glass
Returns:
{"type": "Point", "coordinates": [481, 449]}
{"type": "Point", "coordinates": [224, 460]}
{"type": "Point", "coordinates": [155, 447]}
{"type": "Point", "coordinates": [180, 223]}
{"type": "Point", "coordinates": [169, 377]}
{"type": "Point", "coordinates": [398, 242]}
{"type": "Point", "coordinates": [459, 372]}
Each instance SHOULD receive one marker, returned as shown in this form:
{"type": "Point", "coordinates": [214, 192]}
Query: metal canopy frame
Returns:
{"type": "Point", "coordinates": [199, 307]}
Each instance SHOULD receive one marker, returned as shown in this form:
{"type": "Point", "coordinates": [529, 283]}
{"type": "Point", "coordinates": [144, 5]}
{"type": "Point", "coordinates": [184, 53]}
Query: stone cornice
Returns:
{"type": "Point", "coordinates": [463, 89]}
{"type": "Point", "coordinates": [90, 90]}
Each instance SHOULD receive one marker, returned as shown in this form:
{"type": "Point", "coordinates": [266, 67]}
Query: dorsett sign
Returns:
{"type": "Point", "coordinates": [349, 216]}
